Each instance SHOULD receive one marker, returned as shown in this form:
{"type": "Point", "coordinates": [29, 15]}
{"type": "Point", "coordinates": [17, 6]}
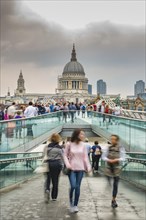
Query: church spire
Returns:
{"type": "Point", "coordinates": [21, 73]}
{"type": "Point", "coordinates": [73, 54]}
{"type": "Point", "coordinates": [8, 94]}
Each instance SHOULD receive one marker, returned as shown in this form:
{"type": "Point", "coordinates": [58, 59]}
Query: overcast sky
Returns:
{"type": "Point", "coordinates": [37, 37]}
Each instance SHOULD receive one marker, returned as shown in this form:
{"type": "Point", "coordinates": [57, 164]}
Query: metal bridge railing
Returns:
{"type": "Point", "coordinates": [18, 167]}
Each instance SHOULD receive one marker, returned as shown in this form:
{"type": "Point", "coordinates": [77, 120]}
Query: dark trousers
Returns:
{"type": "Point", "coordinates": [65, 116]}
{"type": "Point", "coordinates": [53, 176]}
{"type": "Point", "coordinates": [115, 185]}
{"type": "Point", "coordinates": [72, 116]}
{"type": "Point", "coordinates": [95, 162]}
{"type": "Point", "coordinates": [29, 130]}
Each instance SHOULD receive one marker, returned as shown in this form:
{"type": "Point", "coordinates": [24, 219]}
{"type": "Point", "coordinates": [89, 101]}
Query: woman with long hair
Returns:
{"type": "Point", "coordinates": [76, 159]}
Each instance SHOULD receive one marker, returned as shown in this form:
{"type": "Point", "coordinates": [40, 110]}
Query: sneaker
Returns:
{"type": "Point", "coordinates": [71, 209]}
{"type": "Point", "coordinates": [114, 204]}
{"type": "Point", "coordinates": [47, 196]}
{"type": "Point", "coordinates": [95, 171]}
{"type": "Point", "coordinates": [76, 209]}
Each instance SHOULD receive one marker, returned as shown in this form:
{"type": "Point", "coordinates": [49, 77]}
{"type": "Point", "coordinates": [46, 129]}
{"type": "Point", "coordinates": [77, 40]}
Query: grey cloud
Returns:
{"type": "Point", "coordinates": [106, 50]}
{"type": "Point", "coordinates": [31, 39]}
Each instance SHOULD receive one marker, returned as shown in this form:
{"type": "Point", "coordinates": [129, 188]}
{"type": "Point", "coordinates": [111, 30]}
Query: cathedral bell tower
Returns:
{"type": "Point", "coordinates": [20, 91]}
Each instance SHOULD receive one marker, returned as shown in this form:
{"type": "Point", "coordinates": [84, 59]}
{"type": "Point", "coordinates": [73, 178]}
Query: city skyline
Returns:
{"type": "Point", "coordinates": [109, 50]}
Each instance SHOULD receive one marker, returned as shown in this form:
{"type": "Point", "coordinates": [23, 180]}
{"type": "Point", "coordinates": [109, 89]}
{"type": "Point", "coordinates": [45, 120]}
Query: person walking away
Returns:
{"type": "Point", "coordinates": [12, 110]}
{"type": "Point", "coordinates": [72, 109]}
{"type": "Point", "coordinates": [65, 112]}
{"type": "Point", "coordinates": [47, 109]}
{"type": "Point", "coordinates": [55, 163]}
{"type": "Point", "coordinates": [113, 155]}
{"type": "Point", "coordinates": [94, 107]}
{"type": "Point", "coordinates": [78, 107]}
{"type": "Point", "coordinates": [83, 108]}
{"type": "Point", "coordinates": [88, 147]}
{"type": "Point", "coordinates": [10, 127]}
{"type": "Point", "coordinates": [52, 107]}
{"type": "Point", "coordinates": [1, 114]}
{"type": "Point", "coordinates": [6, 116]}
{"type": "Point", "coordinates": [103, 110]}
{"type": "Point", "coordinates": [89, 110]}
{"type": "Point", "coordinates": [96, 155]}
{"type": "Point", "coordinates": [29, 112]}
{"type": "Point", "coordinates": [117, 110]}
{"type": "Point", "coordinates": [76, 159]}
{"type": "Point", "coordinates": [18, 128]}
{"type": "Point", "coordinates": [107, 119]}
{"type": "Point", "coordinates": [1, 119]}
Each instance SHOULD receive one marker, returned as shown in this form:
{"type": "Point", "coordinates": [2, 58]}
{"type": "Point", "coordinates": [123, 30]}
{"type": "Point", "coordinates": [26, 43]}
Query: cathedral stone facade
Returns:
{"type": "Point", "coordinates": [73, 78]}
{"type": "Point", "coordinates": [72, 86]}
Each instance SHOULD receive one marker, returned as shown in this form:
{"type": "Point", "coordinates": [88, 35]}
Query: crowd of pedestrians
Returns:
{"type": "Point", "coordinates": [69, 109]}
{"type": "Point", "coordinates": [79, 157]}
{"type": "Point", "coordinates": [70, 112]}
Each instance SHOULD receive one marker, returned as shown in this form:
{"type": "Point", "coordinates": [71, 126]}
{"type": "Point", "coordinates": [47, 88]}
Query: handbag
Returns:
{"type": "Point", "coordinates": [65, 170]}
{"type": "Point", "coordinates": [43, 168]}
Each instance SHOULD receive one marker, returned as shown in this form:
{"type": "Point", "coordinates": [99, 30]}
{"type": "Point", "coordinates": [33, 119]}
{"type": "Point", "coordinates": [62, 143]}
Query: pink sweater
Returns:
{"type": "Point", "coordinates": [76, 157]}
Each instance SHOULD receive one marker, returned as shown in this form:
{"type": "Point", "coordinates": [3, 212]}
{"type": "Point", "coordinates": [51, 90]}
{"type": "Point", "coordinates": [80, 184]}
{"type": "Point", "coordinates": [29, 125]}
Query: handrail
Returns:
{"type": "Point", "coordinates": [126, 118]}
{"type": "Point", "coordinates": [21, 119]}
{"type": "Point", "coordinates": [128, 110]}
{"type": "Point", "coordinates": [137, 160]}
{"type": "Point", "coordinates": [8, 153]}
{"type": "Point", "coordinates": [141, 153]}
{"type": "Point", "coordinates": [61, 111]}
{"type": "Point", "coordinates": [19, 159]}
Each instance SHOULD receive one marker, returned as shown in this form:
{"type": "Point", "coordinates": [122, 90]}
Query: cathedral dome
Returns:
{"type": "Point", "coordinates": [73, 67]}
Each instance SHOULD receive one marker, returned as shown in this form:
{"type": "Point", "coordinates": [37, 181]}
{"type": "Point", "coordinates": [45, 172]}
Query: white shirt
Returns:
{"type": "Point", "coordinates": [30, 111]}
{"type": "Point", "coordinates": [117, 110]}
{"type": "Point", "coordinates": [122, 154]}
{"type": "Point", "coordinates": [47, 109]}
{"type": "Point", "coordinates": [102, 109]}
{"type": "Point", "coordinates": [11, 110]}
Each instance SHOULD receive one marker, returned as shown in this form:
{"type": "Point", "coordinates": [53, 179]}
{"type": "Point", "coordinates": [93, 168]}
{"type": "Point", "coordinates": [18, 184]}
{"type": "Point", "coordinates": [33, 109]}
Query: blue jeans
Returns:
{"type": "Point", "coordinates": [75, 179]}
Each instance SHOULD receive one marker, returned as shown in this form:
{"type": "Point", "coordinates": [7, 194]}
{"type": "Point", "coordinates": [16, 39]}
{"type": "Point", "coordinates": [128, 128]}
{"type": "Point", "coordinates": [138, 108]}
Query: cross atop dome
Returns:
{"type": "Point", "coordinates": [73, 54]}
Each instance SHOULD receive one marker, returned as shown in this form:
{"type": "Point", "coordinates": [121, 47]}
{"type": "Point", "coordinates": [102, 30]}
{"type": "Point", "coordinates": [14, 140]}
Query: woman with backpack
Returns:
{"type": "Point", "coordinates": [54, 155]}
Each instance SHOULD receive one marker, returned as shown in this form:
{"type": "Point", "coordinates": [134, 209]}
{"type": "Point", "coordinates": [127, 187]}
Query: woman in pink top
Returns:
{"type": "Point", "coordinates": [76, 159]}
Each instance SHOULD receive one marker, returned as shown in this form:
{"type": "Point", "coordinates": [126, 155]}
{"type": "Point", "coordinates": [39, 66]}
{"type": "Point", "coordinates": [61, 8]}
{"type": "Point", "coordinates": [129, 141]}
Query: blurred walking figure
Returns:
{"type": "Point", "coordinates": [113, 156]}
{"type": "Point", "coordinates": [103, 110]}
{"type": "Point", "coordinates": [55, 162]}
{"type": "Point", "coordinates": [18, 128]}
{"type": "Point", "coordinates": [29, 112]}
{"type": "Point", "coordinates": [76, 159]}
{"type": "Point", "coordinates": [11, 110]}
{"type": "Point", "coordinates": [96, 155]}
{"type": "Point", "coordinates": [78, 107]}
{"type": "Point", "coordinates": [1, 125]}
{"type": "Point", "coordinates": [65, 112]}
{"type": "Point", "coordinates": [88, 147]}
{"type": "Point", "coordinates": [83, 108]}
{"type": "Point", "coordinates": [72, 109]}
{"type": "Point", "coordinates": [6, 116]}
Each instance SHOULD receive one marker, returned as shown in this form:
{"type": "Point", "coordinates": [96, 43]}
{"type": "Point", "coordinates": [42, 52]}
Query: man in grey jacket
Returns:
{"type": "Point", "coordinates": [113, 156]}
